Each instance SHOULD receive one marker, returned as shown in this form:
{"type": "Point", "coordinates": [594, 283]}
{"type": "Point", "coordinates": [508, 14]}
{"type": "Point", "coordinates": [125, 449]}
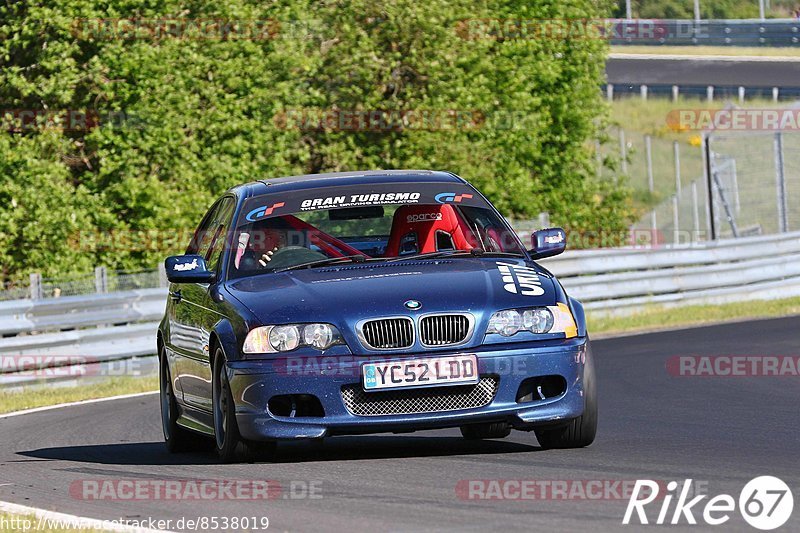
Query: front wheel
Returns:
{"type": "Point", "coordinates": [580, 431]}
{"type": "Point", "coordinates": [229, 443]}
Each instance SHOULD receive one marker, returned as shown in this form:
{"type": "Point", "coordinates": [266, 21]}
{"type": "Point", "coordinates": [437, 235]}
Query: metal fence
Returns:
{"type": "Point", "coordinates": [101, 281]}
{"type": "Point", "coordinates": [709, 93]}
{"type": "Point", "coordinates": [750, 185]}
{"type": "Point", "coordinates": [755, 180]}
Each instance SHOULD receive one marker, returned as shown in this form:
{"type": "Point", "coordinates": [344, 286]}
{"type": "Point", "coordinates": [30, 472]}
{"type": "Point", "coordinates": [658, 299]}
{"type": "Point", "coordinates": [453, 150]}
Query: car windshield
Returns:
{"type": "Point", "coordinates": [322, 226]}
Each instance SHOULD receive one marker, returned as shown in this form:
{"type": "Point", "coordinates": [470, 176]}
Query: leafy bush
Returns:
{"type": "Point", "coordinates": [182, 119]}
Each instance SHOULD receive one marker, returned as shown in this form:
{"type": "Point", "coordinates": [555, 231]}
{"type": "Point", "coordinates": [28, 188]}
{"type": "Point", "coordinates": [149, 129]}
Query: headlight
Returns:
{"type": "Point", "coordinates": [506, 323]}
{"type": "Point", "coordinates": [319, 336]}
{"type": "Point", "coordinates": [551, 319]}
{"type": "Point", "coordinates": [274, 339]}
{"type": "Point", "coordinates": [284, 338]}
{"type": "Point", "coordinates": [539, 320]}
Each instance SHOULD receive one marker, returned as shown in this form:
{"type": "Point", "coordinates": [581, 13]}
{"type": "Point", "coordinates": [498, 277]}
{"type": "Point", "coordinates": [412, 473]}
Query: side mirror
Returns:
{"type": "Point", "coordinates": [188, 269]}
{"type": "Point", "coordinates": [548, 242]}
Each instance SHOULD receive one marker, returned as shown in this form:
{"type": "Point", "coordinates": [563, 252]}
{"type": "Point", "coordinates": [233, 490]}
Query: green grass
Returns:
{"type": "Point", "coordinates": [40, 397]}
{"type": "Point", "coordinates": [660, 318]}
{"type": "Point", "coordinates": [708, 50]}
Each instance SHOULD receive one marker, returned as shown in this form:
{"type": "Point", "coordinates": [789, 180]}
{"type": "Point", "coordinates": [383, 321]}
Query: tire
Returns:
{"type": "Point", "coordinates": [177, 439]}
{"type": "Point", "coordinates": [490, 430]}
{"type": "Point", "coordinates": [581, 431]}
{"type": "Point", "coordinates": [230, 446]}
{"type": "Point", "coordinates": [228, 443]}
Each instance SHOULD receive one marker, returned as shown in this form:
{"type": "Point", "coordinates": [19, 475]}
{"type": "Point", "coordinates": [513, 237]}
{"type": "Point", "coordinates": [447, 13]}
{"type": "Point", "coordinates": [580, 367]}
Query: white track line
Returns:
{"type": "Point", "coordinates": [685, 57]}
{"type": "Point", "coordinates": [70, 404]}
{"type": "Point", "coordinates": [69, 521]}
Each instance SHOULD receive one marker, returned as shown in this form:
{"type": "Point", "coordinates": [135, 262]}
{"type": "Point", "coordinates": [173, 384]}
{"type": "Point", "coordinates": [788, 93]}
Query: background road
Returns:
{"type": "Point", "coordinates": [723, 431]}
{"type": "Point", "coordinates": [703, 72]}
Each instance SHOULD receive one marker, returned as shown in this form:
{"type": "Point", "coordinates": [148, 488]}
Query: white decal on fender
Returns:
{"type": "Point", "coordinates": [519, 279]}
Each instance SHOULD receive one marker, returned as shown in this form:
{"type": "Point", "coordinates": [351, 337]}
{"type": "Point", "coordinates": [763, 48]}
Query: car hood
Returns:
{"type": "Point", "coordinates": [344, 295]}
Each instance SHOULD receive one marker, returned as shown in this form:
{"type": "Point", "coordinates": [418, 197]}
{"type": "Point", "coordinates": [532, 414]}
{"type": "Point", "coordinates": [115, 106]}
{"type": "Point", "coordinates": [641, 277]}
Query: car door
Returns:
{"type": "Point", "coordinates": [193, 310]}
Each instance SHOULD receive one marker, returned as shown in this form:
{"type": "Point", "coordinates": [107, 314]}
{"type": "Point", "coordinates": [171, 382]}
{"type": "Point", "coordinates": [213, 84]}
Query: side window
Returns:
{"type": "Point", "coordinates": [209, 238]}
{"type": "Point", "coordinates": [203, 234]}
{"type": "Point", "coordinates": [222, 224]}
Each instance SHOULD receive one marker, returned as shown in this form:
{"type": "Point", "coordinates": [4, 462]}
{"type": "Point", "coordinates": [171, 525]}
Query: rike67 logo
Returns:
{"type": "Point", "coordinates": [765, 503]}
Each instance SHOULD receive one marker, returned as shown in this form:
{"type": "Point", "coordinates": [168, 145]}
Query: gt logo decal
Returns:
{"type": "Point", "coordinates": [520, 279]}
{"type": "Point", "coordinates": [263, 211]}
{"type": "Point", "coordinates": [451, 197]}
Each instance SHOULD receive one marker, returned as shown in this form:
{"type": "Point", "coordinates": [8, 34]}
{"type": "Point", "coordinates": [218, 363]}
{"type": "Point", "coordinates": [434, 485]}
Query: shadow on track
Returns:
{"type": "Point", "coordinates": [331, 449]}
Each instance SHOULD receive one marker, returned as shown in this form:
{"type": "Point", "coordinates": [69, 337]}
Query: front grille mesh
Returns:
{"type": "Point", "coordinates": [389, 333]}
{"type": "Point", "coordinates": [430, 400]}
{"type": "Point", "coordinates": [443, 330]}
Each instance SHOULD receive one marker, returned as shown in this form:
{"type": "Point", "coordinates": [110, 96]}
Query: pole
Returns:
{"type": "Point", "coordinates": [676, 151]}
{"type": "Point", "coordinates": [708, 171]}
{"type": "Point", "coordinates": [648, 148]}
{"type": "Point", "coordinates": [100, 280]}
{"type": "Point", "coordinates": [695, 211]}
{"type": "Point", "coordinates": [623, 151]}
{"type": "Point", "coordinates": [36, 289]}
{"type": "Point", "coordinates": [653, 227]}
{"type": "Point", "coordinates": [780, 184]}
{"type": "Point", "coordinates": [675, 221]}
{"type": "Point", "coordinates": [696, 9]}
{"type": "Point", "coordinates": [761, 9]}
{"type": "Point", "coordinates": [628, 12]}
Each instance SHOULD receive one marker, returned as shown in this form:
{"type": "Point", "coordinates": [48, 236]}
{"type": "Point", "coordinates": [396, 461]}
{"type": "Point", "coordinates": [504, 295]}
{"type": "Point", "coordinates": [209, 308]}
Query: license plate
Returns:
{"type": "Point", "coordinates": [438, 371]}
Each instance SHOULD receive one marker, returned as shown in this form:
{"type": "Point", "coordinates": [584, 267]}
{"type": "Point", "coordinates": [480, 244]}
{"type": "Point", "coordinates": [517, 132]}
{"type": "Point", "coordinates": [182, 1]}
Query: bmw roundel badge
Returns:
{"type": "Point", "coordinates": [413, 305]}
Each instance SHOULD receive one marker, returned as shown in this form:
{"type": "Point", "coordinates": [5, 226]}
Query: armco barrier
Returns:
{"type": "Point", "coordinates": [623, 280]}
{"type": "Point", "coordinates": [108, 327]}
{"type": "Point", "coordinates": [675, 32]}
{"type": "Point", "coordinates": [54, 314]}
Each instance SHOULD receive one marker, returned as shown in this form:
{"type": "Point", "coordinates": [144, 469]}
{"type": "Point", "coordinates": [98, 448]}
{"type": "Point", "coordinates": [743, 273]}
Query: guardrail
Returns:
{"type": "Point", "coordinates": [623, 280]}
{"type": "Point", "coordinates": [102, 328]}
{"type": "Point", "coordinates": [677, 32]}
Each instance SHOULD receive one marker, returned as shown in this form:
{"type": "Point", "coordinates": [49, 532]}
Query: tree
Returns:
{"type": "Point", "coordinates": [174, 107]}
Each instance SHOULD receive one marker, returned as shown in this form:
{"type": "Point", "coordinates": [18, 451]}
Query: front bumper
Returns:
{"type": "Point", "coordinates": [253, 383]}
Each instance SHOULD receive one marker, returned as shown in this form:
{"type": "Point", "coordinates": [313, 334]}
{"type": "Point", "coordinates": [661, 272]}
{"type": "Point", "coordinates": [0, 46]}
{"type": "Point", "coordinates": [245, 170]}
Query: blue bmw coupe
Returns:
{"type": "Point", "coordinates": [367, 302]}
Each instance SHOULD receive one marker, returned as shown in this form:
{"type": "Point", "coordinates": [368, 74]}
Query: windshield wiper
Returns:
{"type": "Point", "coordinates": [356, 258]}
{"type": "Point", "coordinates": [475, 252]}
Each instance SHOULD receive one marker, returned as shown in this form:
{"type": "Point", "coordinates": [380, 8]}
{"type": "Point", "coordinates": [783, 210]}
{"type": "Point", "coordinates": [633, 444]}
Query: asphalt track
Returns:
{"type": "Point", "coordinates": [653, 71]}
{"type": "Point", "coordinates": [720, 431]}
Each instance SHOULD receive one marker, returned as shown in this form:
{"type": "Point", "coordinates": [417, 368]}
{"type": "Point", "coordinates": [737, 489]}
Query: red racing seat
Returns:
{"type": "Point", "coordinates": [419, 229]}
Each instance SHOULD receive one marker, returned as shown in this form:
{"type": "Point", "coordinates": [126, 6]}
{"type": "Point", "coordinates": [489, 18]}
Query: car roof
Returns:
{"type": "Point", "coordinates": [339, 179]}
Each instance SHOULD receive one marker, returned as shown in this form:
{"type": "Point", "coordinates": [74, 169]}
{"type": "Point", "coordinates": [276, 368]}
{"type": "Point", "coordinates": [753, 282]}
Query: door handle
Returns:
{"type": "Point", "coordinates": [175, 296]}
